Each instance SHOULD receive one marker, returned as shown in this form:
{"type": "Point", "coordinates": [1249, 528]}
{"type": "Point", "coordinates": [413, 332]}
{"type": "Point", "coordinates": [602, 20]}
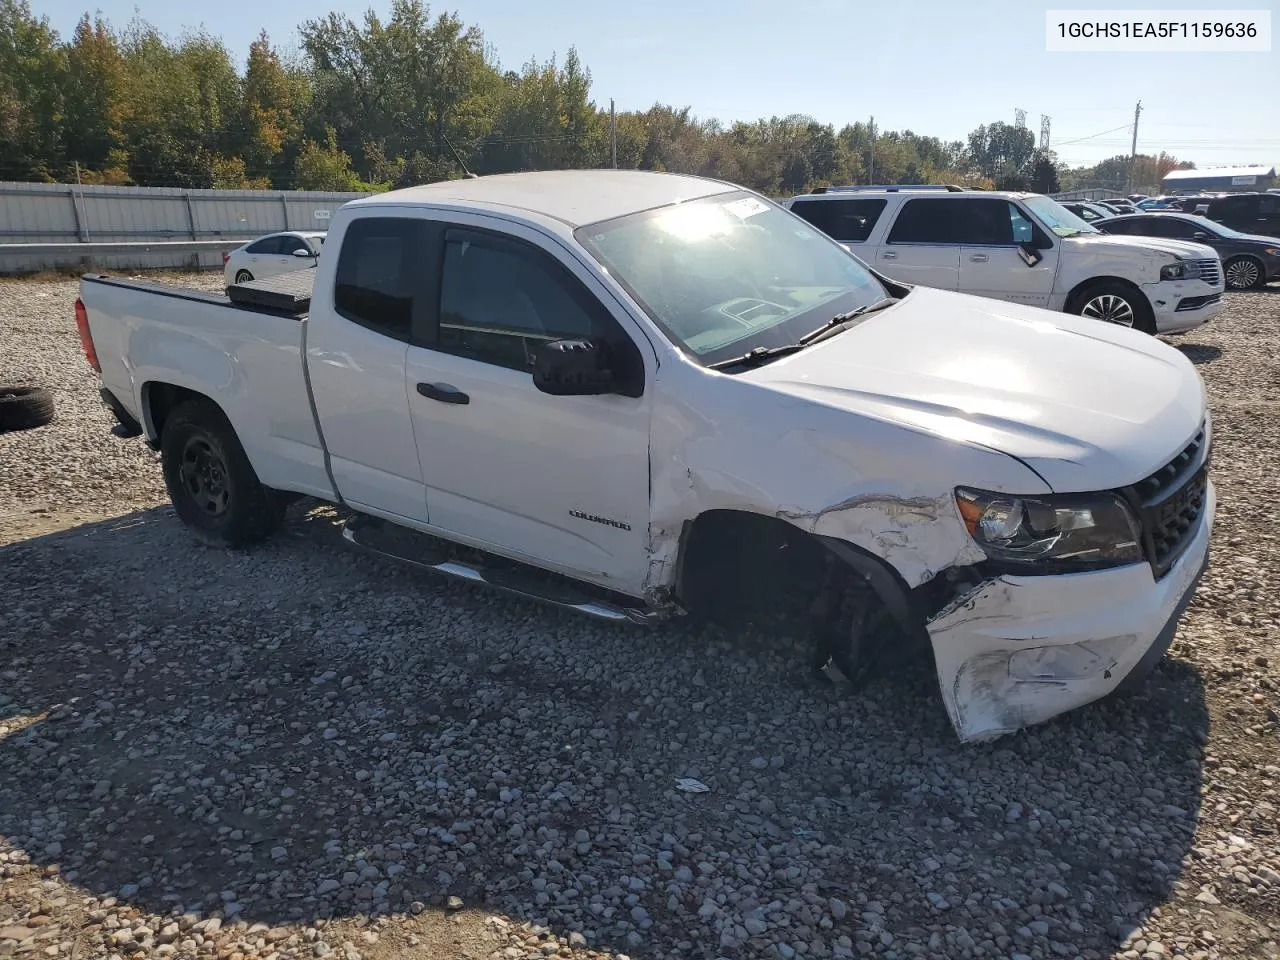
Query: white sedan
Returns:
{"type": "Point", "coordinates": [273, 254]}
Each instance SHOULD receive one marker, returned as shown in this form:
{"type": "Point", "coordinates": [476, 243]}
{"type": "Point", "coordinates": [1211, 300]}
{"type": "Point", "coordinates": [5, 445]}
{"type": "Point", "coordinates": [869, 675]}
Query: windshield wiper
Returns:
{"type": "Point", "coordinates": [841, 321]}
{"type": "Point", "coordinates": [837, 324]}
{"type": "Point", "coordinates": [756, 356]}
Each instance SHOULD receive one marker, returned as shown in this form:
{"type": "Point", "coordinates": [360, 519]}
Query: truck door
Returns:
{"type": "Point", "coordinates": [560, 479]}
{"type": "Point", "coordinates": [991, 262]}
{"type": "Point", "coordinates": [356, 364]}
{"type": "Point", "coordinates": [922, 245]}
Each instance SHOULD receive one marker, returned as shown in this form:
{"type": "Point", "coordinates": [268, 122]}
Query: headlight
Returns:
{"type": "Point", "coordinates": [1173, 271]}
{"type": "Point", "coordinates": [1075, 531]}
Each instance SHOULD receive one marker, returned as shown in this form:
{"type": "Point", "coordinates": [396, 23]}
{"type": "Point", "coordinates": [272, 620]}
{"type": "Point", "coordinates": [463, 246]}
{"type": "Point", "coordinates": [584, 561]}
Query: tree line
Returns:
{"type": "Point", "coordinates": [412, 98]}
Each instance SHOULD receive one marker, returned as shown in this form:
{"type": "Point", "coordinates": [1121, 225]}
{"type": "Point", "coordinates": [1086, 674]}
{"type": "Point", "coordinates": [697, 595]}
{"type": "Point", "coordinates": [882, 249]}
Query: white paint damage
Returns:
{"type": "Point", "coordinates": [1022, 650]}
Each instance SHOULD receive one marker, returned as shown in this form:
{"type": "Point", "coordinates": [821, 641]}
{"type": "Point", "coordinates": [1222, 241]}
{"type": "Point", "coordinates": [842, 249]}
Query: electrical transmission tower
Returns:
{"type": "Point", "coordinates": [1019, 118]}
{"type": "Point", "coordinates": [1044, 131]}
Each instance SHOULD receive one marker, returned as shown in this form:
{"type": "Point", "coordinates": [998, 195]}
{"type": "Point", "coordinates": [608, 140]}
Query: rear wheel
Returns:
{"type": "Point", "coordinates": [211, 483]}
{"type": "Point", "coordinates": [1243, 273]}
{"type": "Point", "coordinates": [243, 276]}
{"type": "Point", "coordinates": [1113, 302]}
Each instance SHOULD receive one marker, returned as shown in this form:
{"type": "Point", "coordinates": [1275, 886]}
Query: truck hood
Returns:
{"type": "Point", "coordinates": [1181, 249]}
{"type": "Point", "coordinates": [1085, 404]}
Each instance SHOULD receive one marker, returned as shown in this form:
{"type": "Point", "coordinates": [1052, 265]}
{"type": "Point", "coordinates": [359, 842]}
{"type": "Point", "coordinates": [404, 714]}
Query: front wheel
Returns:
{"type": "Point", "coordinates": [211, 483]}
{"type": "Point", "coordinates": [1243, 273]}
{"type": "Point", "coordinates": [1113, 302]}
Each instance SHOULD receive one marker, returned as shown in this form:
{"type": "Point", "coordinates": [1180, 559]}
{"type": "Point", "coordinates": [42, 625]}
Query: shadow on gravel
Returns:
{"type": "Point", "coordinates": [303, 732]}
{"type": "Point", "coordinates": [1200, 352]}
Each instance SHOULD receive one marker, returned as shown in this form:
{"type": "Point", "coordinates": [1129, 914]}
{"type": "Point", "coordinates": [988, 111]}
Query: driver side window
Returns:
{"type": "Point", "coordinates": [500, 299]}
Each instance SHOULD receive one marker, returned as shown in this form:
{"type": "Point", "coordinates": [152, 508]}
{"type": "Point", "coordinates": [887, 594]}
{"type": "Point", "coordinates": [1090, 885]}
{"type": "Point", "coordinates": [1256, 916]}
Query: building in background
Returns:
{"type": "Point", "coordinates": [1220, 179]}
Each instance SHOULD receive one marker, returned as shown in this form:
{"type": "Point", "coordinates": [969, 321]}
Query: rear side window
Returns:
{"type": "Point", "coordinates": [1126, 227]}
{"type": "Point", "coordinates": [266, 245]}
{"type": "Point", "coordinates": [951, 220]}
{"type": "Point", "coordinates": [1231, 207]}
{"type": "Point", "coordinates": [380, 270]}
{"type": "Point", "coordinates": [849, 221]}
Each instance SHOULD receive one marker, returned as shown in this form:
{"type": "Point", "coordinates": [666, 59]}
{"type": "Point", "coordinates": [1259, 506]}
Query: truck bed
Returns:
{"type": "Point", "coordinates": [243, 349]}
{"type": "Point", "coordinates": [286, 295]}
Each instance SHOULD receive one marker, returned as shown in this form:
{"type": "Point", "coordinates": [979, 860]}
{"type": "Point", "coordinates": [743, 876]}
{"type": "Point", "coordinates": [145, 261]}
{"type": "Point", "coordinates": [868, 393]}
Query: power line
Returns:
{"type": "Point", "coordinates": [1063, 143]}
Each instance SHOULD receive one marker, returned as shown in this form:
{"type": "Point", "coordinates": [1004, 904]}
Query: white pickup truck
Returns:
{"type": "Point", "coordinates": [640, 394]}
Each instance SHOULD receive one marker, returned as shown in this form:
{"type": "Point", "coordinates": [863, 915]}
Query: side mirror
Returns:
{"type": "Point", "coordinates": [1029, 254]}
{"type": "Point", "coordinates": [573, 368]}
{"type": "Point", "coordinates": [303, 253]}
{"type": "Point", "coordinates": [1199, 235]}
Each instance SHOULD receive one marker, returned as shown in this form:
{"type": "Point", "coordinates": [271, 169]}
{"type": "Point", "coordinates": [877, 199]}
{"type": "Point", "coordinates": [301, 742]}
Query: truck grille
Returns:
{"type": "Point", "coordinates": [1209, 270]}
{"type": "Point", "coordinates": [1170, 503]}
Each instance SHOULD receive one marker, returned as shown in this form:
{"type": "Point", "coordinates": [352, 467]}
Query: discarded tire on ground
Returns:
{"type": "Point", "coordinates": [22, 408]}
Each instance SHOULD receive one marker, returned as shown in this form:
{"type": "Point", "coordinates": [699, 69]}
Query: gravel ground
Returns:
{"type": "Point", "coordinates": [305, 752]}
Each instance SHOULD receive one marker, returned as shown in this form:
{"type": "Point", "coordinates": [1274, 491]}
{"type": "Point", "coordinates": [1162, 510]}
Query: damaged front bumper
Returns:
{"type": "Point", "coordinates": [1021, 650]}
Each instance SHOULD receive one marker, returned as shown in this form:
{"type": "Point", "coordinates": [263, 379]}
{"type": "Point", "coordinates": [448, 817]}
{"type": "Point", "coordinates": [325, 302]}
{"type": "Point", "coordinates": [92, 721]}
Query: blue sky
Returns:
{"type": "Point", "coordinates": [936, 67]}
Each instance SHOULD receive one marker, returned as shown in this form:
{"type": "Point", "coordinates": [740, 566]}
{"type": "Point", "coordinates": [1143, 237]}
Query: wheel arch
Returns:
{"type": "Point", "coordinates": [160, 399]}
{"type": "Point", "coordinates": [743, 558]}
{"type": "Point", "coordinates": [1080, 288]}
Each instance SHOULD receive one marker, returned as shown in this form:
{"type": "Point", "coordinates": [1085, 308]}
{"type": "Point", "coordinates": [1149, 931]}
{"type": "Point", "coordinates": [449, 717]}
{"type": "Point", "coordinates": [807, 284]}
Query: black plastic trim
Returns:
{"type": "Point", "coordinates": [127, 427]}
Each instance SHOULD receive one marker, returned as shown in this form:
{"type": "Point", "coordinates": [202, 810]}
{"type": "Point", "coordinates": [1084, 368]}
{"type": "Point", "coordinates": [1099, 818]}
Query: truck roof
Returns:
{"type": "Point", "coordinates": [574, 197]}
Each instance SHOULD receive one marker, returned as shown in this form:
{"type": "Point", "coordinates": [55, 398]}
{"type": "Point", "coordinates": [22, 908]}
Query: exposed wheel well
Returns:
{"type": "Point", "coordinates": [161, 399]}
{"type": "Point", "coordinates": [735, 563]}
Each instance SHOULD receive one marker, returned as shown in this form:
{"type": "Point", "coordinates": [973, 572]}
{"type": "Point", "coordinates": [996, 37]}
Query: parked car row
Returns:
{"type": "Point", "coordinates": [1020, 247]}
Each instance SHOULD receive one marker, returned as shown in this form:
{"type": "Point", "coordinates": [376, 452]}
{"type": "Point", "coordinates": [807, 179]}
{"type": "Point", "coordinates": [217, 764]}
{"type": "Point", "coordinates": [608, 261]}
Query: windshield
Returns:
{"type": "Point", "coordinates": [729, 273]}
{"type": "Point", "coordinates": [1058, 218]}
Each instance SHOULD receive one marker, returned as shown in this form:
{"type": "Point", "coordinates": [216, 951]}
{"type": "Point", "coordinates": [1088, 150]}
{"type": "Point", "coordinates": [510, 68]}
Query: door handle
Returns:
{"type": "Point", "coordinates": [979, 258]}
{"type": "Point", "coordinates": [888, 255]}
{"type": "Point", "coordinates": [444, 392]}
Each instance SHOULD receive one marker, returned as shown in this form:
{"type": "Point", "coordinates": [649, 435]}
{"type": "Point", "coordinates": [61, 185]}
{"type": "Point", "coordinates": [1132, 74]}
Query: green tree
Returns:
{"type": "Point", "coordinates": [412, 86]}
{"type": "Point", "coordinates": [92, 89]}
{"type": "Point", "coordinates": [1003, 153]}
{"type": "Point", "coordinates": [325, 167]}
{"type": "Point", "coordinates": [32, 65]}
{"type": "Point", "coordinates": [267, 124]}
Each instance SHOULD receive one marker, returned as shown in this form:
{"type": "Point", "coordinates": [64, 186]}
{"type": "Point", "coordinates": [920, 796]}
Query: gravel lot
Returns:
{"type": "Point", "coordinates": [305, 752]}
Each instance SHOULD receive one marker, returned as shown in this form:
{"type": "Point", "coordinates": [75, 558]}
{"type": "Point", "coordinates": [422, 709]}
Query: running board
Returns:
{"type": "Point", "coordinates": [424, 551]}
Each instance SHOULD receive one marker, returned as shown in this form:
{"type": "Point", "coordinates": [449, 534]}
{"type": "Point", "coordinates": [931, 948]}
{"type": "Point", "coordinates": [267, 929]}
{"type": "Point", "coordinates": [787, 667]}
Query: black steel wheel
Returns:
{"type": "Point", "coordinates": [211, 482]}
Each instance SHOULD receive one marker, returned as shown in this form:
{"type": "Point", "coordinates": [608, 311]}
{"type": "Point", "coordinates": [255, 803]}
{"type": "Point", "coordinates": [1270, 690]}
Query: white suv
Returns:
{"type": "Point", "coordinates": [1021, 247]}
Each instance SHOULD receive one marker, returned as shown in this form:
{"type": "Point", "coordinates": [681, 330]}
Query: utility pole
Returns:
{"type": "Point", "coordinates": [1133, 150]}
{"type": "Point", "coordinates": [871, 154]}
{"type": "Point", "coordinates": [613, 134]}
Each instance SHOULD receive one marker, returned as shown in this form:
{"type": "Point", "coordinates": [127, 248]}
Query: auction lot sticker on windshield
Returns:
{"type": "Point", "coordinates": [1156, 31]}
{"type": "Point", "coordinates": [746, 207]}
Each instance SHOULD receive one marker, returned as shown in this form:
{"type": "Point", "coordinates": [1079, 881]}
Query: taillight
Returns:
{"type": "Point", "coordinates": [86, 337]}
{"type": "Point", "coordinates": [225, 257]}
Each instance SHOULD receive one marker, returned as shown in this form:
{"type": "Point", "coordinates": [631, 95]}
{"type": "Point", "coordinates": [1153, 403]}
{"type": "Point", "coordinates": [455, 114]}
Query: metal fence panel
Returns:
{"type": "Point", "coordinates": [51, 213]}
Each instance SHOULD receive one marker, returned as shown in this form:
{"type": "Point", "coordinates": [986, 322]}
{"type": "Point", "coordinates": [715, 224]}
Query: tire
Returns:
{"type": "Point", "coordinates": [1244, 273]}
{"type": "Point", "coordinates": [243, 276]}
{"type": "Point", "coordinates": [22, 408]}
{"type": "Point", "coordinates": [1130, 308]}
{"type": "Point", "coordinates": [211, 483]}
